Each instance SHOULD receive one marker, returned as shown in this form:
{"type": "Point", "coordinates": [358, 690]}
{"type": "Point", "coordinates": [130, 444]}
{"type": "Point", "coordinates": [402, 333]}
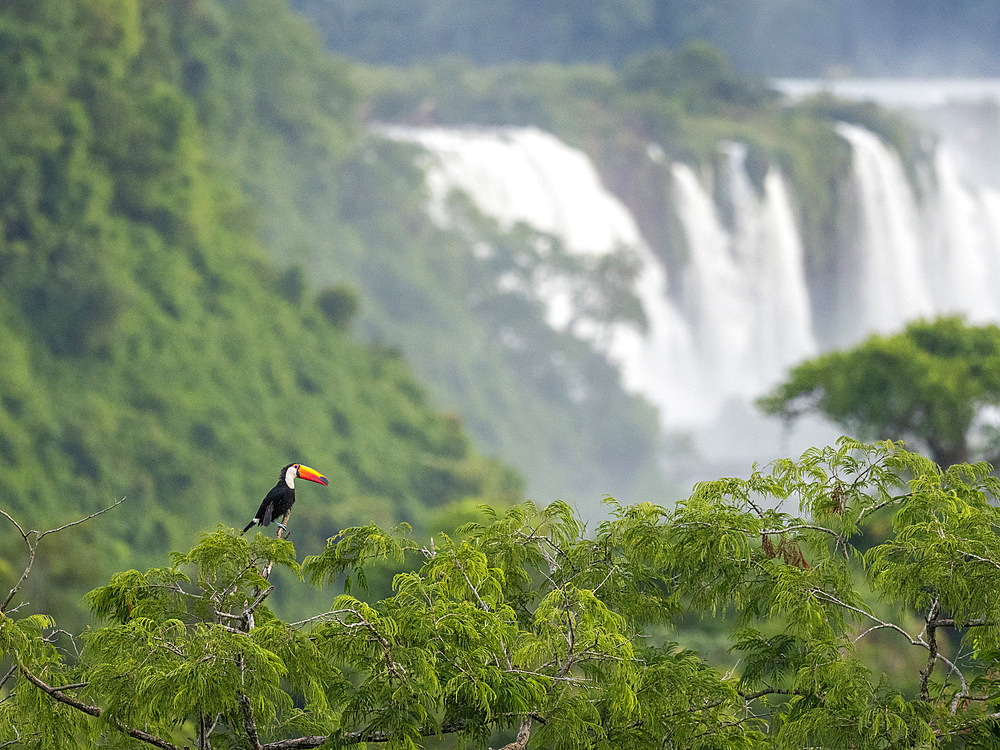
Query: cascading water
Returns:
{"type": "Point", "coordinates": [889, 279]}
{"type": "Point", "coordinates": [727, 302]}
{"type": "Point", "coordinates": [939, 254]}
{"type": "Point", "coordinates": [745, 289]}
{"type": "Point", "coordinates": [785, 329]}
{"type": "Point", "coordinates": [527, 175]}
{"type": "Point", "coordinates": [743, 315]}
{"type": "Point", "coordinates": [738, 311]}
{"type": "Point", "coordinates": [964, 245]}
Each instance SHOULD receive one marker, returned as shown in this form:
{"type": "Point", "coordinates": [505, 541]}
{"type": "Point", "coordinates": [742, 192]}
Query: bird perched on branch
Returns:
{"type": "Point", "coordinates": [279, 500]}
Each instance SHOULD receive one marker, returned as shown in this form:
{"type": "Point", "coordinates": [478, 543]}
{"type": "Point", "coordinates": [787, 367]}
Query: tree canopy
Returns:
{"type": "Point", "coordinates": [930, 383]}
{"type": "Point", "coordinates": [525, 628]}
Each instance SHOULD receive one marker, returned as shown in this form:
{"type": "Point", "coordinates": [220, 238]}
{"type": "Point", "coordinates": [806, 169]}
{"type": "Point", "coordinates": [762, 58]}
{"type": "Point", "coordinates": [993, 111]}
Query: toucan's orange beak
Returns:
{"type": "Point", "coordinates": [312, 475]}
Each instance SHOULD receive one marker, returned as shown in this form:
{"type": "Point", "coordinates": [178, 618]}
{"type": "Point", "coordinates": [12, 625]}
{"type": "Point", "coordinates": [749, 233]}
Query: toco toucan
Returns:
{"type": "Point", "coordinates": [279, 500]}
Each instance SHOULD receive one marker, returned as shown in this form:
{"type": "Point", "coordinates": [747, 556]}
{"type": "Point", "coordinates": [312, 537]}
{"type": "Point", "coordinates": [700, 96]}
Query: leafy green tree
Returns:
{"type": "Point", "coordinates": [698, 73]}
{"type": "Point", "coordinates": [929, 384]}
{"type": "Point", "coordinates": [522, 628]}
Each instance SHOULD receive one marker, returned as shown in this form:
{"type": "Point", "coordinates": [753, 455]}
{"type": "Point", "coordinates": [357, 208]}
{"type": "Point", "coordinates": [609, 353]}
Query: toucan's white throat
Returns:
{"type": "Point", "coordinates": [290, 473]}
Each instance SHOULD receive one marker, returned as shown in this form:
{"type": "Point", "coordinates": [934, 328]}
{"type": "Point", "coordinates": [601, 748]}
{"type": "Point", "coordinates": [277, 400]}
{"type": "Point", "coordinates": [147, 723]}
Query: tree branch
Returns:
{"type": "Point", "coordinates": [355, 738]}
{"type": "Point", "coordinates": [94, 711]}
{"type": "Point", "coordinates": [461, 568]}
{"type": "Point", "coordinates": [932, 652]}
{"type": "Point", "coordinates": [249, 725]}
{"type": "Point", "coordinates": [266, 572]}
{"type": "Point", "coordinates": [13, 668]}
{"type": "Point", "coordinates": [522, 736]}
{"type": "Point", "coordinates": [77, 522]}
{"type": "Point", "coordinates": [879, 624]}
{"type": "Point", "coordinates": [33, 545]}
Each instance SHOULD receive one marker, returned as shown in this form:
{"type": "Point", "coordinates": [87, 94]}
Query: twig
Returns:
{"type": "Point", "coordinates": [16, 740]}
{"type": "Point", "coordinates": [356, 738]}
{"type": "Point", "coordinates": [249, 725]}
{"type": "Point", "coordinates": [33, 545]}
{"type": "Point", "coordinates": [483, 605]}
{"type": "Point", "coordinates": [113, 505]}
{"type": "Point", "coordinates": [16, 524]}
{"type": "Point", "coordinates": [13, 668]}
{"type": "Point", "coordinates": [331, 614]}
{"type": "Point", "coordinates": [879, 624]}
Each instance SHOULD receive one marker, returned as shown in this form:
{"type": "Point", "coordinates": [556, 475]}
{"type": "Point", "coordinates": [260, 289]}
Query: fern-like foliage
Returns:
{"type": "Point", "coordinates": [858, 581]}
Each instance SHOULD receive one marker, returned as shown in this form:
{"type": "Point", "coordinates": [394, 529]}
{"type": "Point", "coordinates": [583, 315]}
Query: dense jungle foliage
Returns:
{"type": "Point", "coordinates": [150, 347]}
{"type": "Point", "coordinates": [196, 217]}
{"type": "Point", "coordinates": [859, 580]}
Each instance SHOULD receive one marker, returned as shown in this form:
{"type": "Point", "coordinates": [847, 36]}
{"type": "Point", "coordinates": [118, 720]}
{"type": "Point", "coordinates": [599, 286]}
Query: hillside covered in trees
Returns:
{"type": "Point", "coordinates": [200, 220]}
{"type": "Point", "coordinates": [764, 37]}
{"type": "Point", "coordinates": [151, 349]}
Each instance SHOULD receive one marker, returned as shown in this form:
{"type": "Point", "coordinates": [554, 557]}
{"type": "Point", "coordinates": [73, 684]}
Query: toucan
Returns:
{"type": "Point", "coordinates": [279, 500]}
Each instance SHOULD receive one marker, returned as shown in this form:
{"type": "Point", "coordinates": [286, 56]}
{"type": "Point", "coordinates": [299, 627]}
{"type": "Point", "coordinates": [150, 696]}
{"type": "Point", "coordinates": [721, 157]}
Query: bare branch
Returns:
{"type": "Point", "coordinates": [483, 605]}
{"type": "Point", "coordinates": [24, 576]}
{"type": "Point", "coordinates": [33, 537]}
{"type": "Point", "coordinates": [113, 505]}
{"type": "Point", "coordinates": [869, 509]}
{"type": "Point", "coordinates": [266, 572]}
{"type": "Point", "coordinates": [355, 738]}
{"type": "Point", "coordinates": [17, 736]}
{"type": "Point", "coordinates": [72, 686]}
{"type": "Point", "coordinates": [13, 668]}
{"type": "Point", "coordinates": [932, 652]}
{"type": "Point", "coordinates": [977, 558]}
{"type": "Point", "coordinates": [879, 624]}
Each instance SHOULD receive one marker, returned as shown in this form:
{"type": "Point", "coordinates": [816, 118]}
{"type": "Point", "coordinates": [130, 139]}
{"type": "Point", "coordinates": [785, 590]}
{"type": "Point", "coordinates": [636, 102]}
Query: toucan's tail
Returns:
{"type": "Point", "coordinates": [248, 526]}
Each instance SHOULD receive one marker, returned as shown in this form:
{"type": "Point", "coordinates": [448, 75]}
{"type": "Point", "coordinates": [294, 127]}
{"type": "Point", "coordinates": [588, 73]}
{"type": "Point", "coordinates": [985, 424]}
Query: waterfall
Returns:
{"type": "Point", "coordinates": [743, 315]}
{"type": "Point", "coordinates": [713, 297]}
{"type": "Point", "coordinates": [525, 175]}
{"type": "Point", "coordinates": [785, 330]}
{"type": "Point", "coordinates": [738, 311]}
{"type": "Point", "coordinates": [964, 244]}
{"type": "Point", "coordinates": [936, 255]}
{"type": "Point", "coordinates": [747, 287]}
{"type": "Point", "coordinates": [889, 282]}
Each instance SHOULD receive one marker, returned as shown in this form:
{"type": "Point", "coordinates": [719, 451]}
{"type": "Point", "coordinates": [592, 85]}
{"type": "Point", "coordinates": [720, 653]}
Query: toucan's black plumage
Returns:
{"type": "Point", "coordinates": [279, 500]}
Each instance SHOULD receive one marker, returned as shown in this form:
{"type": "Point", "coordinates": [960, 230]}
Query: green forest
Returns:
{"type": "Point", "coordinates": [796, 38]}
{"type": "Point", "coordinates": [212, 266]}
{"type": "Point", "coordinates": [152, 349]}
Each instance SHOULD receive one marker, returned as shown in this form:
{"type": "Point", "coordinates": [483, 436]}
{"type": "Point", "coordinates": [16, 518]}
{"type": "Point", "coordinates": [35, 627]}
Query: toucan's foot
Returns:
{"type": "Point", "coordinates": [282, 527]}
